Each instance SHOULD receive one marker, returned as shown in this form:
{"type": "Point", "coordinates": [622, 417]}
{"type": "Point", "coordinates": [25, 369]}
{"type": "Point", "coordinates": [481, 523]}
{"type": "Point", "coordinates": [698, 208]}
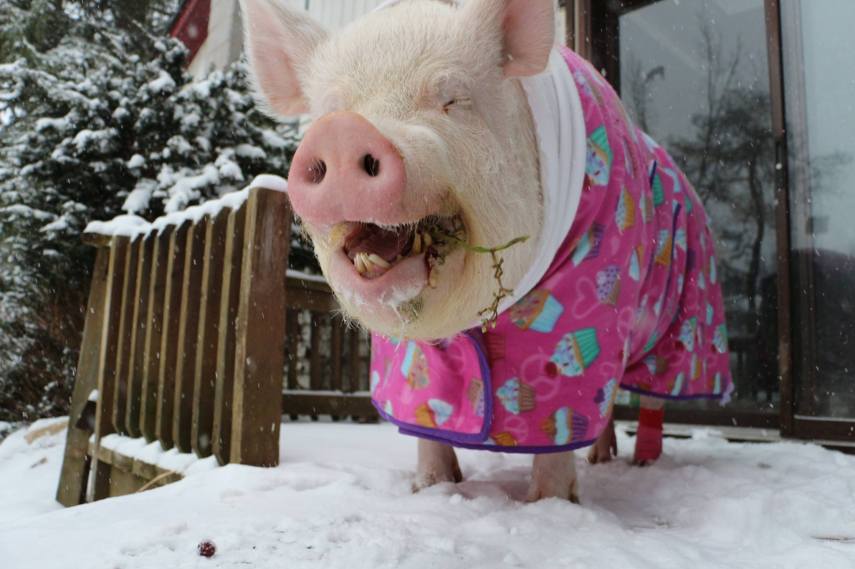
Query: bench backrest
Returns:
{"type": "Point", "coordinates": [184, 339]}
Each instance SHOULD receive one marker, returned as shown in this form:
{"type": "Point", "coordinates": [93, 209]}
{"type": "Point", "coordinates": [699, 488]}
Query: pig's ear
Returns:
{"type": "Point", "coordinates": [279, 41]}
{"type": "Point", "coordinates": [527, 29]}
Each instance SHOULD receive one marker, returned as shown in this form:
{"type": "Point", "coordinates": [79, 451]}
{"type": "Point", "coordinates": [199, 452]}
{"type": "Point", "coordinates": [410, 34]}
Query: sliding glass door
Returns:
{"type": "Point", "coordinates": [694, 75]}
{"type": "Point", "coordinates": [819, 78]}
{"type": "Point", "coordinates": [756, 101]}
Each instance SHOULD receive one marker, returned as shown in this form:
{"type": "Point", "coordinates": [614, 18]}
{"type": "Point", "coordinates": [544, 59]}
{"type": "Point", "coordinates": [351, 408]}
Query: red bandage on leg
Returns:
{"type": "Point", "coordinates": [648, 440]}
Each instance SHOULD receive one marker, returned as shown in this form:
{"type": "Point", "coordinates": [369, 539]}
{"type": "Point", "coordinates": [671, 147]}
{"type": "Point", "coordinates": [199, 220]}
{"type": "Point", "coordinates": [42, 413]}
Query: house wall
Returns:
{"type": "Point", "coordinates": [225, 40]}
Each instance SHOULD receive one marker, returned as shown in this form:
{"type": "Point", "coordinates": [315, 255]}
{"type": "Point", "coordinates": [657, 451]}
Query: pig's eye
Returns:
{"type": "Point", "coordinates": [458, 103]}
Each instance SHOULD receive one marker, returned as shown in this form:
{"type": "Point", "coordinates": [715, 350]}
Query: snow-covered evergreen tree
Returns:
{"type": "Point", "coordinates": [91, 126]}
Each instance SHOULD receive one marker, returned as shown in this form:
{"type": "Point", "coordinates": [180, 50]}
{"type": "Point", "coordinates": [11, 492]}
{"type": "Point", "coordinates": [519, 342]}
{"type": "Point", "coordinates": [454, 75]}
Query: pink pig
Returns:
{"type": "Point", "coordinates": [438, 127]}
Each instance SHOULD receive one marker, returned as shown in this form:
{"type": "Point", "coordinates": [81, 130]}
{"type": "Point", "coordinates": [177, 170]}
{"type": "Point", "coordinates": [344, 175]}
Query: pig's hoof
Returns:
{"type": "Point", "coordinates": [599, 453]}
{"type": "Point", "coordinates": [427, 479]}
{"type": "Point", "coordinates": [539, 491]}
{"type": "Point", "coordinates": [605, 447]}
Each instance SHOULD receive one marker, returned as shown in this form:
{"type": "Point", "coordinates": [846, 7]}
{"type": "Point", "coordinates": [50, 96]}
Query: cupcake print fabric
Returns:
{"type": "Point", "coordinates": [631, 301]}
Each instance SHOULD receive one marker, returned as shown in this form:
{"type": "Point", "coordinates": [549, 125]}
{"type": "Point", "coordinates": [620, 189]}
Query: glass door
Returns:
{"type": "Point", "coordinates": [819, 79]}
{"type": "Point", "coordinates": [695, 75]}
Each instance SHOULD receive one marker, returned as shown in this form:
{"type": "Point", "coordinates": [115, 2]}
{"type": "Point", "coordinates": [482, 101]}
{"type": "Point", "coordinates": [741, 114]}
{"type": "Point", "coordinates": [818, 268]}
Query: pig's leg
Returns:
{"type": "Point", "coordinates": [437, 463]}
{"type": "Point", "coordinates": [605, 448]}
{"type": "Point", "coordinates": [553, 475]}
{"type": "Point", "coordinates": [648, 440]}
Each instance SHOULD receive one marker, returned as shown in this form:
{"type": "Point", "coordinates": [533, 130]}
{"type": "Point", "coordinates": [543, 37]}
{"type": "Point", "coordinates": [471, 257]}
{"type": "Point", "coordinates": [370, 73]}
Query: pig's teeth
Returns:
{"type": "Point", "coordinates": [359, 261]}
{"type": "Point", "coordinates": [417, 244]}
{"type": "Point", "coordinates": [378, 260]}
{"type": "Point", "coordinates": [428, 240]}
{"type": "Point", "coordinates": [432, 279]}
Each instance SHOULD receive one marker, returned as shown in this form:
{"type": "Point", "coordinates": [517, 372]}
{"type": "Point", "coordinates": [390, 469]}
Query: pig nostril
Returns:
{"type": "Point", "coordinates": [371, 165]}
{"type": "Point", "coordinates": [317, 171]}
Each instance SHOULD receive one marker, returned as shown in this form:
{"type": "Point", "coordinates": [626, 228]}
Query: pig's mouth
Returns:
{"type": "Point", "coordinates": [376, 250]}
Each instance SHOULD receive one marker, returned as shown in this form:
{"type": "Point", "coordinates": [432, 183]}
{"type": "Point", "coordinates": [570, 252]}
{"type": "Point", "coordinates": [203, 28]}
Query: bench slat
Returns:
{"type": "Point", "coordinates": [125, 333]}
{"type": "Point", "coordinates": [154, 332]}
{"type": "Point", "coordinates": [208, 339]}
{"type": "Point", "coordinates": [169, 336]}
{"type": "Point", "coordinates": [107, 355]}
{"type": "Point", "coordinates": [224, 386]}
{"type": "Point", "coordinates": [188, 335]}
{"type": "Point", "coordinates": [142, 256]}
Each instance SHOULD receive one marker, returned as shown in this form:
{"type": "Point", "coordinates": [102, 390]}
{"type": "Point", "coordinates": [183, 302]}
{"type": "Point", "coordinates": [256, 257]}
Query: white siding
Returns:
{"type": "Point", "coordinates": [224, 43]}
{"type": "Point", "coordinates": [334, 14]}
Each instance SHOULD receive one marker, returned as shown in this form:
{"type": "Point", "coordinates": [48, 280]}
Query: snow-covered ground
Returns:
{"type": "Point", "coordinates": [341, 499]}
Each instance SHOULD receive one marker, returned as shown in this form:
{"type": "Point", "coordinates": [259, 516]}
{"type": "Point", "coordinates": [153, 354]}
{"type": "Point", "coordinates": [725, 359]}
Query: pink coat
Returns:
{"type": "Point", "coordinates": [631, 300]}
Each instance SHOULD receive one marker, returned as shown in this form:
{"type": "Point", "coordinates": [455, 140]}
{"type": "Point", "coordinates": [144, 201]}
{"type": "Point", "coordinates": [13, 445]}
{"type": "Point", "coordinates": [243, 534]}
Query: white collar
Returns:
{"type": "Point", "coordinates": [559, 121]}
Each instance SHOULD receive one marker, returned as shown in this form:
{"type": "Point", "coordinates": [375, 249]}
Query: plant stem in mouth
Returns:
{"type": "Point", "coordinates": [490, 314]}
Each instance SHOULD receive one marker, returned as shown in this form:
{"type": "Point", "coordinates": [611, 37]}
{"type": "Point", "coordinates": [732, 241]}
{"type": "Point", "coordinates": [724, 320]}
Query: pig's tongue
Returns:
{"type": "Point", "coordinates": [388, 244]}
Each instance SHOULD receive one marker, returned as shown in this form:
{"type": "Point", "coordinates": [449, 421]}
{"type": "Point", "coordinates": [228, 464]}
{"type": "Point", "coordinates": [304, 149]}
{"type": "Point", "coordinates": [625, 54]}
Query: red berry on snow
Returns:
{"type": "Point", "coordinates": [206, 548]}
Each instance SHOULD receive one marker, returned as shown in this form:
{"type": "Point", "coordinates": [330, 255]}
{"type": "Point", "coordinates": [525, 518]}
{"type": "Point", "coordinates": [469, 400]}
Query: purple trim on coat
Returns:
{"type": "Point", "coordinates": [498, 448]}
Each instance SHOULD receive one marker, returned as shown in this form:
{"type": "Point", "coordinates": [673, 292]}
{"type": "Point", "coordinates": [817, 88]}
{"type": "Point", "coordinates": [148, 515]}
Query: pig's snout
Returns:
{"type": "Point", "coordinates": [346, 170]}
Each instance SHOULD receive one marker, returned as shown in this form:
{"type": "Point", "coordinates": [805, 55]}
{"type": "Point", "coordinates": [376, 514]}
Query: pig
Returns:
{"type": "Point", "coordinates": [479, 200]}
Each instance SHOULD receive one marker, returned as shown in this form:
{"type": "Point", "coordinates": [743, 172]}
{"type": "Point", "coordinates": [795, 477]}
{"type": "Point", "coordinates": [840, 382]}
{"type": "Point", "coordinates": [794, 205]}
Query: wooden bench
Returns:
{"type": "Point", "coordinates": [184, 346]}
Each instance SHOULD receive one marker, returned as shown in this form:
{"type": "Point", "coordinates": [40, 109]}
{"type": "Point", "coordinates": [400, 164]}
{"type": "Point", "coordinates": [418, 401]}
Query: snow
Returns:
{"type": "Point", "coordinates": [271, 182]}
{"type": "Point", "coordinates": [153, 453]}
{"type": "Point", "coordinates": [164, 82]}
{"type": "Point", "coordinates": [125, 225]}
{"type": "Point", "coordinates": [341, 499]}
{"type": "Point", "coordinates": [136, 161]}
{"type": "Point", "coordinates": [250, 151]}
{"type": "Point", "coordinates": [46, 123]}
{"type": "Point", "coordinates": [59, 224]}
{"type": "Point", "coordinates": [133, 226]}
{"type": "Point", "coordinates": [26, 211]}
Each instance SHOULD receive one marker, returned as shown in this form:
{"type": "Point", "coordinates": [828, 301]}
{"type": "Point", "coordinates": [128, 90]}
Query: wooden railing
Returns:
{"type": "Point", "coordinates": [326, 361]}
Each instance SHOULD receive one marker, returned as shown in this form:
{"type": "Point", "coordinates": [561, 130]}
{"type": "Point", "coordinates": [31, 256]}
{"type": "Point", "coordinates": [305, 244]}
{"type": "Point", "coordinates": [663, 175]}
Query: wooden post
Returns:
{"type": "Point", "coordinates": [75, 463]}
{"type": "Point", "coordinates": [107, 358]}
{"type": "Point", "coordinates": [169, 336]}
{"type": "Point", "coordinates": [142, 248]}
{"type": "Point", "coordinates": [209, 324]}
{"type": "Point", "coordinates": [188, 336]}
{"type": "Point", "coordinates": [224, 387]}
{"type": "Point", "coordinates": [260, 327]}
